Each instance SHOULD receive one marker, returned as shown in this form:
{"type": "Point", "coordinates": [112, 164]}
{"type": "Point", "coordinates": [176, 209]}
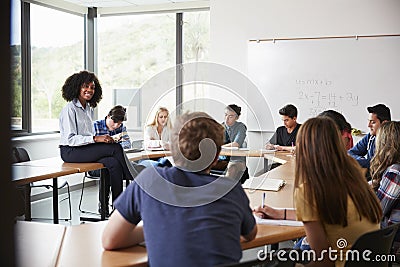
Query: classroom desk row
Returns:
{"type": "Point", "coordinates": [40, 244]}
{"type": "Point", "coordinates": [24, 173]}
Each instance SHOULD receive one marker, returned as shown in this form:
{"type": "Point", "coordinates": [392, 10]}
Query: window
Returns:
{"type": "Point", "coordinates": [49, 45]}
{"type": "Point", "coordinates": [16, 70]}
{"type": "Point", "coordinates": [196, 41]}
{"type": "Point", "coordinates": [57, 51]}
{"type": "Point", "coordinates": [131, 50]}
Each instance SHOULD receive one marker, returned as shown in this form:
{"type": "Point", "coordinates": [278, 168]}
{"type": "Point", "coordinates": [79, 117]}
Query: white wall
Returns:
{"type": "Point", "coordinates": [234, 22]}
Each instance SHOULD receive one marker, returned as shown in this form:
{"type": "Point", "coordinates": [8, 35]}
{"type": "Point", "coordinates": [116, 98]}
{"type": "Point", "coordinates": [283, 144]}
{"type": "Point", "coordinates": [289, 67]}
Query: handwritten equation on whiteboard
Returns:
{"type": "Point", "coordinates": [320, 101]}
{"type": "Point", "coordinates": [321, 94]}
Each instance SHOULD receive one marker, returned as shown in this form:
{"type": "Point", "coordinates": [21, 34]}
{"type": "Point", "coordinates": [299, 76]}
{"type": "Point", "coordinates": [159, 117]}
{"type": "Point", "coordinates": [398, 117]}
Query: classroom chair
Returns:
{"type": "Point", "coordinates": [379, 242]}
{"type": "Point", "coordinates": [20, 154]}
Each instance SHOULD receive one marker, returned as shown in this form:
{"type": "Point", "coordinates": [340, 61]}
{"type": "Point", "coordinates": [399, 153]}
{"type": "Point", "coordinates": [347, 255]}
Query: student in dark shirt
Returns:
{"type": "Point", "coordinates": [189, 218]}
{"type": "Point", "coordinates": [284, 137]}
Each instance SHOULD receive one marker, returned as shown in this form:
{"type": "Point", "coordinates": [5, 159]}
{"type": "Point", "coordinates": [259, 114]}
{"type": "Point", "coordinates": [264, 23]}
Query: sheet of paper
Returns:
{"type": "Point", "coordinates": [278, 222]}
{"type": "Point", "coordinates": [230, 147]}
{"type": "Point", "coordinates": [268, 150]}
{"type": "Point", "coordinates": [263, 183]}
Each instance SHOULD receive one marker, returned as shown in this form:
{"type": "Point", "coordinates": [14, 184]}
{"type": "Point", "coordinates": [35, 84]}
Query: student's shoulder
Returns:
{"type": "Point", "coordinates": [240, 125]}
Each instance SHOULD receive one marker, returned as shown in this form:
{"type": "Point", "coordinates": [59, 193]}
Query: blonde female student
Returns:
{"type": "Point", "coordinates": [157, 136]}
{"type": "Point", "coordinates": [158, 129]}
{"type": "Point", "coordinates": [331, 195]}
{"type": "Point", "coordinates": [385, 173]}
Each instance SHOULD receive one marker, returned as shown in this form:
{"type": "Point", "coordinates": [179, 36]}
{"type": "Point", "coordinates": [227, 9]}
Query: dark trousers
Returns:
{"type": "Point", "coordinates": [111, 155]}
{"type": "Point", "coordinates": [96, 173]}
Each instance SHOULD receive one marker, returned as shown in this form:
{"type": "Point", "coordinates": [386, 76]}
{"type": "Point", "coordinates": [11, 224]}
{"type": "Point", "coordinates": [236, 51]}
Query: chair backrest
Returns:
{"type": "Point", "coordinates": [378, 242]}
{"type": "Point", "coordinates": [19, 154]}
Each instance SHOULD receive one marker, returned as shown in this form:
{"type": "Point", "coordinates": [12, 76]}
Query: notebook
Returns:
{"type": "Point", "coordinates": [133, 150]}
{"type": "Point", "coordinates": [262, 183]}
{"type": "Point", "coordinates": [277, 222]}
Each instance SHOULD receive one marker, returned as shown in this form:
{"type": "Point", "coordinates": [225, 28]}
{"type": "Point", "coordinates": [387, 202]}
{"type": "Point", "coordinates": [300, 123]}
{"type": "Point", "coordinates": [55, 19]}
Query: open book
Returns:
{"type": "Point", "coordinates": [118, 137]}
{"type": "Point", "coordinates": [262, 183]}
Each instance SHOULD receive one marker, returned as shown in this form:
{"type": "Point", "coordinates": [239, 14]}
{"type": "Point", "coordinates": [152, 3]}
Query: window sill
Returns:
{"type": "Point", "coordinates": [36, 138]}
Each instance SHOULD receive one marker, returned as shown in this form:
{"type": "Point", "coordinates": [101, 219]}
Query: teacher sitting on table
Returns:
{"type": "Point", "coordinates": [78, 143]}
{"type": "Point", "coordinates": [331, 195]}
{"type": "Point", "coordinates": [179, 227]}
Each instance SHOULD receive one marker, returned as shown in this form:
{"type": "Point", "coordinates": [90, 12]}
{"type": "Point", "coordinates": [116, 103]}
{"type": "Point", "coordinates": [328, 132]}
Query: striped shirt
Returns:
{"type": "Point", "coordinates": [76, 124]}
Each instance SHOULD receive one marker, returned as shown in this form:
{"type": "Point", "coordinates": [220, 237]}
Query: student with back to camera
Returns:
{"type": "Point", "coordinates": [331, 195]}
{"type": "Point", "coordinates": [344, 126]}
{"type": "Point", "coordinates": [205, 234]}
{"type": "Point", "coordinates": [78, 143]}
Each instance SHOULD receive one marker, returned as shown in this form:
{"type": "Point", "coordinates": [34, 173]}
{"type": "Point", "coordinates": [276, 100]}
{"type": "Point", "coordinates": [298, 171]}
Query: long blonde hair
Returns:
{"type": "Point", "coordinates": [155, 120]}
{"type": "Point", "coordinates": [387, 150]}
{"type": "Point", "coordinates": [329, 175]}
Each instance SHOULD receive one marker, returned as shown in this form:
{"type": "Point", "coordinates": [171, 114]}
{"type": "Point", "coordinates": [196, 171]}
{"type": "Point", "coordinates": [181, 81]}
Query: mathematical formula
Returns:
{"type": "Point", "coordinates": [321, 101]}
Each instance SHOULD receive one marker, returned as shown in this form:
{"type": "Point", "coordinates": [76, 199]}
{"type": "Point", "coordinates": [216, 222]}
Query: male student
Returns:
{"type": "Point", "coordinates": [364, 150]}
{"type": "Point", "coordinates": [187, 219]}
{"type": "Point", "coordinates": [284, 137]}
{"type": "Point", "coordinates": [113, 125]}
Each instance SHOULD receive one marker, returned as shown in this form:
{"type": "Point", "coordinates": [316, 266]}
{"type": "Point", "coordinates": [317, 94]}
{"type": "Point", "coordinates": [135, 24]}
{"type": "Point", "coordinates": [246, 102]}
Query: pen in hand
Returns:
{"type": "Point", "coordinates": [263, 200]}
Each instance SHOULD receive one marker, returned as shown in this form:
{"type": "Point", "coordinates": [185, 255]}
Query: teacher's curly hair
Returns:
{"type": "Point", "coordinates": [74, 83]}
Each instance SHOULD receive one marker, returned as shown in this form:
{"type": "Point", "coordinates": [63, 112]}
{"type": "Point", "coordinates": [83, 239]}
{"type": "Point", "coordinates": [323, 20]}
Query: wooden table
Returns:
{"type": "Point", "coordinates": [268, 234]}
{"type": "Point", "coordinates": [50, 168]}
{"type": "Point", "coordinates": [81, 244]}
{"type": "Point", "coordinates": [82, 247]}
{"type": "Point", "coordinates": [37, 244]}
{"type": "Point", "coordinates": [26, 174]}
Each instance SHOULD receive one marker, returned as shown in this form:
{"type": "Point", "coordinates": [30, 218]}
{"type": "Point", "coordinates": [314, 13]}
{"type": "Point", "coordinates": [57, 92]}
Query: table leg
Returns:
{"type": "Point", "coordinates": [103, 194]}
{"type": "Point", "coordinates": [55, 201]}
{"type": "Point", "coordinates": [27, 192]}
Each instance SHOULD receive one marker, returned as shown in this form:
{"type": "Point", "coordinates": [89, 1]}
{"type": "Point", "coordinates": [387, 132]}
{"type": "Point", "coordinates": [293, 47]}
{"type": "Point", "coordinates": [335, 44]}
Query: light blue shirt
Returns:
{"type": "Point", "coordinates": [76, 124]}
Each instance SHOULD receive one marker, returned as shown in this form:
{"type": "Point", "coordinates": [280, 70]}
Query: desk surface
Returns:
{"type": "Point", "coordinates": [38, 244]}
{"type": "Point", "coordinates": [81, 244]}
{"type": "Point", "coordinates": [25, 174]}
{"type": "Point", "coordinates": [58, 162]}
{"type": "Point", "coordinates": [90, 252]}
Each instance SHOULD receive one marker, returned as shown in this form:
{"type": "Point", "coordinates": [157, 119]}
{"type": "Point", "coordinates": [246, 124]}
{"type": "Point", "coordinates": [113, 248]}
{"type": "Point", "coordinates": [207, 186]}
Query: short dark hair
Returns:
{"type": "Point", "coordinates": [288, 110]}
{"type": "Point", "coordinates": [339, 119]}
{"type": "Point", "coordinates": [381, 111]}
{"type": "Point", "coordinates": [235, 108]}
{"type": "Point", "coordinates": [117, 113]}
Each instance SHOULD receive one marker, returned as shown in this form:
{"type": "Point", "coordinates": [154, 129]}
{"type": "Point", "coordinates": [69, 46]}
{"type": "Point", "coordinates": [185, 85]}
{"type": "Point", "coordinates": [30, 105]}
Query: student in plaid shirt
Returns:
{"type": "Point", "coordinates": [112, 125]}
{"type": "Point", "coordinates": [385, 172]}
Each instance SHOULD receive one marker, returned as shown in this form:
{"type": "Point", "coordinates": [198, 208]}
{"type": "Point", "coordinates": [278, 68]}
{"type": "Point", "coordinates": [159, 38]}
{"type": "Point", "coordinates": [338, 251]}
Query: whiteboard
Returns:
{"type": "Point", "coordinates": [346, 75]}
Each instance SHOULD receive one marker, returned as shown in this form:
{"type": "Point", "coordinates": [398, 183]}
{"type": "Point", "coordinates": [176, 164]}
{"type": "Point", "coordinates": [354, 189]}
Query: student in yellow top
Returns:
{"type": "Point", "coordinates": [331, 195]}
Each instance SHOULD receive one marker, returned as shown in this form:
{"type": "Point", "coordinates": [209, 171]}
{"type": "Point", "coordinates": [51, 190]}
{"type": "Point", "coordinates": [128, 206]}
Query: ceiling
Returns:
{"type": "Point", "coordinates": [123, 3]}
{"type": "Point", "coordinates": [126, 6]}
